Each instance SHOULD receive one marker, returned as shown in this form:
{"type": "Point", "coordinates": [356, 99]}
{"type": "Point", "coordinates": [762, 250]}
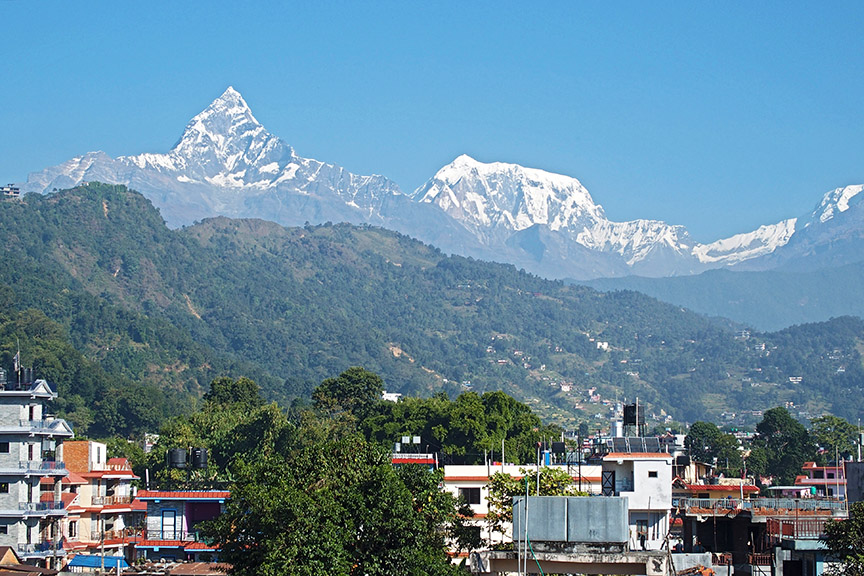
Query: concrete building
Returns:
{"type": "Point", "coordinates": [98, 494]}
{"type": "Point", "coordinates": [645, 480]}
{"type": "Point", "coordinates": [28, 440]}
{"type": "Point", "coordinates": [471, 484]}
{"type": "Point", "coordinates": [170, 528]}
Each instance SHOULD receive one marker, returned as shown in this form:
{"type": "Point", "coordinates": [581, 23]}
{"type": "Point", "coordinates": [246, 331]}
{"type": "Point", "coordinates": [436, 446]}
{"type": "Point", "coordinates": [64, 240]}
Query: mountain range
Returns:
{"type": "Point", "coordinates": [158, 309]}
{"type": "Point", "coordinates": [227, 164]}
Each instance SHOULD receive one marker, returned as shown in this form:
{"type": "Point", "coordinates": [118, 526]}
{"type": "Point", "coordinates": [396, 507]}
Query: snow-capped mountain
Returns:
{"type": "Point", "coordinates": [497, 200]}
{"type": "Point", "coordinates": [831, 235]}
{"type": "Point", "coordinates": [740, 247]}
{"type": "Point", "coordinates": [227, 164]}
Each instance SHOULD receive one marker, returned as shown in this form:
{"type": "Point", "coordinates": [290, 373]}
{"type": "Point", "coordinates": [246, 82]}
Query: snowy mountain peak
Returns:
{"type": "Point", "coordinates": [509, 197]}
{"type": "Point", "coordinates": [835, 202]}
{"type": "Point", "coordinates": [226, 125]}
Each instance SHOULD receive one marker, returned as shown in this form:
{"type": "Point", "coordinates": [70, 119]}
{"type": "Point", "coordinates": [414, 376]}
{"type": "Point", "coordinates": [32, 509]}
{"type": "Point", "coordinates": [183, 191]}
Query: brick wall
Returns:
{"type": "Point", "coordinates": [76, 455]}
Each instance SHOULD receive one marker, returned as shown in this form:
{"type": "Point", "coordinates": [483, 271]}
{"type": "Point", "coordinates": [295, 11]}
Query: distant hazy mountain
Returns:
{"type": "Point", "coordinates": [817, 274]}
{"type": "Point", "coordinates": [227, 164]}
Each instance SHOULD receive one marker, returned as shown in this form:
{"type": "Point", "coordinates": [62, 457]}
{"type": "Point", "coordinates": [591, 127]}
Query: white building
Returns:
{"type": "Point", "coordinates": [28, 438]}
{"type": "Point", "coordinates": [645, 479]}
{"type": "Point", "coordinates": [471, 483]}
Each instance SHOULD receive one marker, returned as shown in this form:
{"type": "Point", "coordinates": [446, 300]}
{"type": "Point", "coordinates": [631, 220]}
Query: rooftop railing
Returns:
{"type": "Point", "coordinates": [760, 505]}
{"type": "Point", "coordinates": [800, 529]}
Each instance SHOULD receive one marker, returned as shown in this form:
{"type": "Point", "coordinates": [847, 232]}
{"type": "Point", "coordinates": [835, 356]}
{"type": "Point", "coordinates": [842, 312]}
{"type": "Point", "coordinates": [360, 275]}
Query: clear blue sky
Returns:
{"type": "Point", "coordinates": [720, 116]}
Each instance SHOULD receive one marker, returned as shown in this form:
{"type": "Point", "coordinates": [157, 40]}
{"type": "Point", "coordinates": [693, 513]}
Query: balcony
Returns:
{"type": "Point", "coordinates": [111, 500]}
{"type": "Point", "coordinates": [49, 427]}
{"type": "Point", "coordinates": [797, 529]}
{"type": "Point", "coordinates": [763, 506]}
{"type": "Point", "coordinates": [41, 507]}
{"type": "Point", "coordinates": [42, 549]}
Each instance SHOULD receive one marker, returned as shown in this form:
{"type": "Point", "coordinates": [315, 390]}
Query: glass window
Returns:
{"type": "Point", "coordinates": [470, 495]}
{"type": "Point", "coordinates": [4, 447]}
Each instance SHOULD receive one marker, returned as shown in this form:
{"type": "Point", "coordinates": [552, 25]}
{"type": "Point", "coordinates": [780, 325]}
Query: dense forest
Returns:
{"type": "Point", "coordinates": [103, 296]}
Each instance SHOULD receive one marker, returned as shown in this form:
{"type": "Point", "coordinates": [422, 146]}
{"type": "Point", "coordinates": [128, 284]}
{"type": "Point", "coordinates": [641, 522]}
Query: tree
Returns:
{"type": "Point", "coordinates": [786, 442]}
{"type": "Point", "coordinates": [844, 540]}
{"type": "Point", "coordinates": [701, 441]}
{"type": "Point", "coordinates": [355, 390]}
{"type": "Point", "coordinates": [334, 507]}
{"type": "Point", "coordinates": [834, 435]}
{"type": "Point", "coordinates": [227, 391]}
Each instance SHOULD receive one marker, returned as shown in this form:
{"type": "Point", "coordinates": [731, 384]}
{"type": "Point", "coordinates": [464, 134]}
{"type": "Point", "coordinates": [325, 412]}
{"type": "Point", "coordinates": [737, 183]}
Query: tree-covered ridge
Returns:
{"type": "Point", "coordinates": [290, 307]}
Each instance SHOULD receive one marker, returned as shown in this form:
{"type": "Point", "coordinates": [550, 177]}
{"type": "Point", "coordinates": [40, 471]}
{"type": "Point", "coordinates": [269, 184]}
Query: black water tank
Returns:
{"type": "Point", "coordinates": [199, 458]}
{"type": "Point", "coordinates": [177, 458]}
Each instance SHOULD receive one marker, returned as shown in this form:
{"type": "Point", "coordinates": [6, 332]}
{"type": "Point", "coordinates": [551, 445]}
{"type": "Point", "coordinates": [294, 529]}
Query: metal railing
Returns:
{"type": "Point", "coordinates": [789, 505]}
{"type": "Point", "coordinates": [759, 559]}
{"type": "Point", "coordinates": [110, 500]}
{"type": "Point", "coordinates": [801, 528]}
{"type": "Point", "coordinates": [39, 506]}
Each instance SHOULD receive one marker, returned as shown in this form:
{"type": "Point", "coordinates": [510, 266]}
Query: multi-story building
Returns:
{"type": "Point", "coordinates": [645, 479]}
{"type": "Point", "coordinates": [823, 481]}
{"type": "Point", "coordinates": [171, 525]}
{"type": "Point", "coordinates": [28, 440]}
{"type": "Point", "coordinates": [98, 494]}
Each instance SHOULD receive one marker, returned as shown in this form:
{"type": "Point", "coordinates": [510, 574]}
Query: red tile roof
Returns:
{"type": "Point", "coordinates": [70, 478]}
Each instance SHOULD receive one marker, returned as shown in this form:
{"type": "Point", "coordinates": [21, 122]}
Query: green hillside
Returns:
{"type": "Point", "coordinates": [289, 307]}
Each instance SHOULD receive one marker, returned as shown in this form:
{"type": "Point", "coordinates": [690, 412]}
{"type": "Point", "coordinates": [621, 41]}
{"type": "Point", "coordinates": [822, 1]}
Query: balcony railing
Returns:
{"type": "Point", "coordinates": [759, 559]}
{"type": "Point", "coordinates": [40, 548]}
{"type": "Point", "coordinates": [758, 505]}
{"type": "Point", "coordinates": [40, 506]}
{"type": "Point", "coordinates": [193, 536]}
{"type": "Point", "coordinates": [111, 500]}
{"type": "Point", "coordinates": [802, 528]}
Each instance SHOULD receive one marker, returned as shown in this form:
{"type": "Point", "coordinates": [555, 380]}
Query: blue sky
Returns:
{"type": "Point", "coordinates": [720, 116]}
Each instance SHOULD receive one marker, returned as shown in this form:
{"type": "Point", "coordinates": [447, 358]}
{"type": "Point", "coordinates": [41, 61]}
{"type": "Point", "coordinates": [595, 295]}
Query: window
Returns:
{"type": "Point", "coordinates": [32, 412]}
{"type": "Point", "coordinates": [73, 529]}
{"type": "Point", "coordinates": [169, 524]}
{"type": "Point", "coordinates": [652, 474]}
{"type": "Point", "coordinates": [470, 495]}
{"type": "Point", "coordinates": [30, 451]}
{"type": "Point", "coordinates": [4, 487]}
{"type": "Point", "coordinates": [4, 529]}
{"type": "Point", "coordinates": [4, 447]}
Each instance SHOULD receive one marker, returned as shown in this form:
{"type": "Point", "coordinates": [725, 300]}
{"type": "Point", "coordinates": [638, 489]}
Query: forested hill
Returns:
{"type": "Point", "coordinates": [290, 307]}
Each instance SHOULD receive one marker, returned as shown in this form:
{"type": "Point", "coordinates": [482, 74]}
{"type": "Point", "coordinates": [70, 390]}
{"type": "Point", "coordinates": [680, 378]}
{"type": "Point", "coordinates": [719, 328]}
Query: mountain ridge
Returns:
{"type": "Point", "coordinates": [226, 163]}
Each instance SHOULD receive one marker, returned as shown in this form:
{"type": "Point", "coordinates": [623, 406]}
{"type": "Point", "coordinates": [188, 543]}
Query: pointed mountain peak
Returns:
{"type": "Point", "coordinates": [464, 159]}
{"type": "Point", "coordinates": [224, 127]}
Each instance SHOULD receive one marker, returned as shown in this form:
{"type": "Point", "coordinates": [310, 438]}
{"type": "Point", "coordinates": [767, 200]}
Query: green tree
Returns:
{"type": "Point", "coordinates": [356, 390]}
{"type": "Point", "coordinates": [337, 507]}
{"type": "Point", "coordinates": [786, 442]}
{"type": "Point", "coordinates": [834, 435]}
{"type": "Point", "coordinates": [227, 391]}
{"type": "Point", "coordinates": [701, 441]}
